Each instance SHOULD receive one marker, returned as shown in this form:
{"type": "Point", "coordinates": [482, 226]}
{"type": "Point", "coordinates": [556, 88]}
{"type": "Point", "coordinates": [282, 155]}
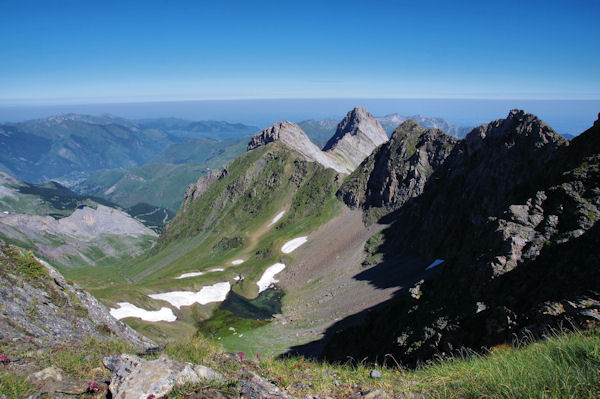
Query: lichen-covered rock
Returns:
{"type": "Point", "coordinates": [136, 378]}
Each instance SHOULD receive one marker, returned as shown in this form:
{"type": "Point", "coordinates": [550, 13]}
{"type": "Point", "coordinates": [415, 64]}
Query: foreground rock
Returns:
{"type": "Point", "coordinates": [135, 378]}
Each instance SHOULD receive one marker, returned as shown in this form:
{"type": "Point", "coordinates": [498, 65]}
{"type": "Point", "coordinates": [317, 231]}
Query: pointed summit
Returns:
{"type": "Point", "coordinates": [294, 137]}
{"type": "Point", "coordinates": [357, 135]}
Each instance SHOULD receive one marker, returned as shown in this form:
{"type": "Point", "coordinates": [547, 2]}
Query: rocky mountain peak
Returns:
{"type": "Point", "coordinates": [284, 131]}
{"type": "Point", "coordinates": [294, 137]}
{"type": "Point", "coordinates": [357, 135]}
{"type": "Point", "coordinates": [358, 126]}
{"type": "Point", "coordinates": [399, 169]}
{"type": "Point", "coordinates": [407, 127]}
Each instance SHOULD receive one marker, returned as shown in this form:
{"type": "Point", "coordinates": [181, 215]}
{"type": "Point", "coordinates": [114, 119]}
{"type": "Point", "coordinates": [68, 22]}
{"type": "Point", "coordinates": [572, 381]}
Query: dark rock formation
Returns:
{"type": "Point", "coordinates": [513, 211]}
{"type": "Point", "coordinates": [397, 170]}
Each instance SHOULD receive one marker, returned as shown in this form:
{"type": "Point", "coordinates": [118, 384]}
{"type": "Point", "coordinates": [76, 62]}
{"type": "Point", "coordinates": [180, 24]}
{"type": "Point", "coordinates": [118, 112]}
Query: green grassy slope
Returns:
{"type": "Point", "coordinates": [229, 221]}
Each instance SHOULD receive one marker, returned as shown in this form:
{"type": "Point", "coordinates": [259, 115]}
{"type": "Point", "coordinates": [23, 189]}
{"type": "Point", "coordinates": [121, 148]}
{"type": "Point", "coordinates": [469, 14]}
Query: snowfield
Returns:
{"type": "Point", "coordinates": [127, 309]}
{"type": "Point", "coordinates": [192, 274]}
{"type": "Point", "coordinates": [268, 276]}
{"type": "Point", "coordinates": [291, 245]}
{"type": "Point", "coordinates": [211, 293]}
{"type": "Point", "coordinates": [237, 262]}
{"type": "Point", "coordinates": [276, 218]}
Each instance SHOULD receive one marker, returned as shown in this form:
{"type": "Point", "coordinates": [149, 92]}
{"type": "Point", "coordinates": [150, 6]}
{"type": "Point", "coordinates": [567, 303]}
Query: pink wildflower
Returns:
{"type": "Point", "coordinates": [241, 355]}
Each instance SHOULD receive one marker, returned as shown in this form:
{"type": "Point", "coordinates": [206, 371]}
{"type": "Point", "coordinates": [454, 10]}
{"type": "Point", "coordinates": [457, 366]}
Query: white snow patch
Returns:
{"type": "Point", "coordinates": [210, 293]}
{"type": "Point", "coordinates": [434, 264]}
{"type": "Point", "coordinates": [237, 278]}
{"type": "Point", "coordinates": [293, 244]}
{"type": "Point", "coordinates": [192, 274]}
{"type": "Point", "coordinates": [276, 218]}
{"type": "Point", "coordinates": [268, 276]}
{"type": "Point", "coordinates": [237, 262]}
{"type": "Point", "coordinates": [127, 309]}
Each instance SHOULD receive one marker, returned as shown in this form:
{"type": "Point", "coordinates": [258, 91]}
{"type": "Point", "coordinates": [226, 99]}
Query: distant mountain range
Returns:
{"type": "Point", "coordinates": [69, 148]}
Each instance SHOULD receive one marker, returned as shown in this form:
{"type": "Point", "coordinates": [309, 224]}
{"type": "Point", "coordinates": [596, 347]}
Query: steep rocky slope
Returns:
{"type": "Point", "coordinates": [355, 138]}
{"type": "Point", "coordinates": [397, 170]}
{"type": "Point", "coordinates": [513, 213]}
{"type": "Point", "coordinates": [39, 307]}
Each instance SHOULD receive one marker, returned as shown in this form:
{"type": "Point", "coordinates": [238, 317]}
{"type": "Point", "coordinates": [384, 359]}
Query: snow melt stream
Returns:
{"type": "Point", "coordinates": [127, 309]}
{"type": "Point", "coordinates": [291, 245]}
{"type": "Point", "coordinates": [210, 293]}
{"type": "Point", "coordinates": [268, 276]}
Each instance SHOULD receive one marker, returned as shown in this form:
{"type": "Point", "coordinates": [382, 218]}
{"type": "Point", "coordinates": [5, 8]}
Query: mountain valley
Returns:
{"type": "Point", "coordinates": [424, 245]}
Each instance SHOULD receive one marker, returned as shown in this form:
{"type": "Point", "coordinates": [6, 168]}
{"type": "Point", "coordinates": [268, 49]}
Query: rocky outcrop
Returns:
{"type": "Point", "coordinates": [41, 307]}
{"type": "Point", "coordinates": [195, 190]}
{"type": "Point", "coordinates": [357, 135]}
{"type": "Point", "coordinates": [293, 137]}
{"type": "Point", "coordinates": [136, 378]}
{"type": "Point", "coordinates": [513, 210]}
{"type": "Point", "coordinates": [397, 170]}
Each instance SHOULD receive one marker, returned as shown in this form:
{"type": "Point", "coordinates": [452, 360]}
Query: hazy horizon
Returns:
{"type": "Point", "coordinates": [564, 116]}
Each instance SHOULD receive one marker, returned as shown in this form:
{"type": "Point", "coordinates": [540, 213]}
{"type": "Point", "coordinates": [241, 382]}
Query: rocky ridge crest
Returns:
{"type": "Point", "coordinates": [292, 136]}
{"type": "Point", "coordinates": [397, 170]}
{"type": "Point", "coordinates": [355, 138]}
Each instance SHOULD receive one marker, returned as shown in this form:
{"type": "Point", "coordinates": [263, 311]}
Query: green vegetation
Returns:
{"type": "Point", "coordinates": [373, 254]}
{"type": "Point", "coordinates": [158, 184]}
{"type": "Point", "coordinates": [562, 366]}
{"type": "Point", "coordinates": [21, 262]}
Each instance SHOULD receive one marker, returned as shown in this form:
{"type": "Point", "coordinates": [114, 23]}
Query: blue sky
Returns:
{"type": "Point", "coordinates": [107, 51]}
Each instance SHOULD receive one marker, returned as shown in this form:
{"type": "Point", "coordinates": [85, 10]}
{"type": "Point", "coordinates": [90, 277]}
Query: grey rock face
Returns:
{"type": "Point", "coordinates": [292, 136]}
{"type": "Point", "coordinates": [54, 312]}
{"type": "Point", "coordinates": [357, 135]}
{"type": "Point", "coordinates": [399, 169]}
{"type": "Point", "coordinates": [255, 387]}
{"type": "Point", "coordinates": [135, 378]}
{"type": "Point", "coordinates": [195, 190]}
